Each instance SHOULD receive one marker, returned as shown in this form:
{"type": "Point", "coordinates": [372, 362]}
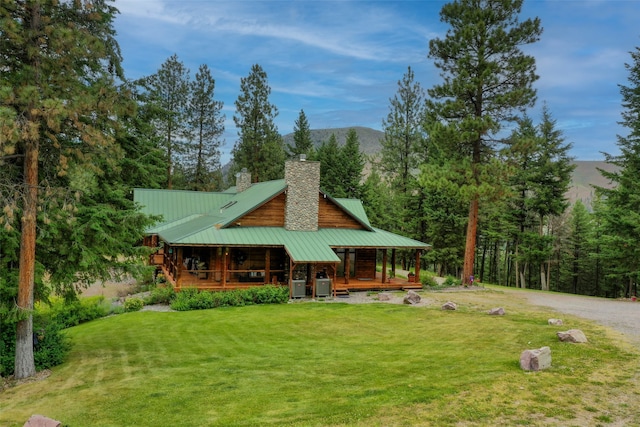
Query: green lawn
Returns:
{"type": "Point", "coordinates": [317, 364]}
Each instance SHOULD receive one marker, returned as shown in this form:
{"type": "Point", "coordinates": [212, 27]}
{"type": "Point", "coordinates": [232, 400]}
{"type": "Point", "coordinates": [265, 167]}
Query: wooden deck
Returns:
{"type": "Point", "coordinates": [391, 284]}
{"type": "Point", "coordinates": [340, 288]}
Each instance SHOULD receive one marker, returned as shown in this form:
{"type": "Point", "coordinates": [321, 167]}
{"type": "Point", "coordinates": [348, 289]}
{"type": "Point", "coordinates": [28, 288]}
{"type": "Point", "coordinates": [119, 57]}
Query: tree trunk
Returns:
{"type": "Point", "coordinates": [523, 276]}
{"type": "Point", "coordinates": [169, 161]}
{"type": "Point", "coordinates": [470, 246]}
{"type": "Point", "coordinates": [549, 275]}
{"type": "Point", "coordinates": [24, 366]}
{"type": "Point", "coordinates": [24, 362]}
{"type": "Point", "coordinates": [517, 266]}
{"type": "Point", "coordinates": [543, 278]}
{"type": "Point", "coordinates": [484, 256]}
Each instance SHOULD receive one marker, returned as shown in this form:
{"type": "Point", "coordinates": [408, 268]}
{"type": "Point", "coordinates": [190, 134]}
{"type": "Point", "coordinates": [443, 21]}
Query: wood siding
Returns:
{"type": "Point", "coordinates": [271, 214]}
{"type": "Point", "coordinates": [365, 264]}
{"type": "Point", "coordinates": [332, 216]}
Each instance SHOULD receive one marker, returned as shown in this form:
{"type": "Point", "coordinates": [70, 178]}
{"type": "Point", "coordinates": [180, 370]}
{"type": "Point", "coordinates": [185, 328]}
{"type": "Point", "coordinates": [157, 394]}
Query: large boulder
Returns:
{"type": "Point", "coordinates": [536, 359]}
{"type": "Point", "coordinates": [41, 421]}
{"type": "Point", "coordinates": [572, 335]}
{"type": "Point", "coordinates": [412, 297]}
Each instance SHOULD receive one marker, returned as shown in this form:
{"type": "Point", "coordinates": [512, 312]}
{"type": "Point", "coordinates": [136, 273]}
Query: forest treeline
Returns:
{"type": "Point", "coordinates": [462, 166]}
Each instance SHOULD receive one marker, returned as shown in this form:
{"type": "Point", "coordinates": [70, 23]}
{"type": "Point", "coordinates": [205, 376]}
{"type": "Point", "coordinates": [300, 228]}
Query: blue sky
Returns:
{"type": "Point", "coordinates": [340, 61]}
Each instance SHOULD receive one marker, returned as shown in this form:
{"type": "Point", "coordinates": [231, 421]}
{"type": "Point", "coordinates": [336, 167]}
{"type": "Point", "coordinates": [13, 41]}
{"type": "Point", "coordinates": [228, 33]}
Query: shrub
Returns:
{"type": "Point", "coordinates": [133, 304]}
{"type": "Point", "coordinates": [270, 294]}
{"type": "Point", "coordinates": [192, 299]}
{"type": "Point", "coordinates": [429, 282]}
{"type": "Point", "coordinates": [7, 347]}
{"type": "Point", "coordinates": [50, 344]}
{"type": "Point", "coordinates": [72, 313]}
{"type": "Point", "coordinates": [161, 295]}
{"type": "Point", "coordinates": [452, 281]}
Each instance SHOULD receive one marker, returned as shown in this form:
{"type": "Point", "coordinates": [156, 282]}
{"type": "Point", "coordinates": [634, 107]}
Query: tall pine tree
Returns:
{"type": "Point", "coordinates": [259, 148]}
{"type": "Point", "coordinates": [169, 90]}
{"type": "Point", "coordinates": [487, 78]}
{"type": "Point", "coordinates": [352, 165]}
{"type": "Point", "coordinates": [403, 149]}
{"type": "Point", "coordinates": [60, 63]}
{"type": "Point", "coordinates": [621, 212]}
{"type": "Point", "coordinates": [206, 126]}
{"type": "Point", "coordinates": [302, 143]}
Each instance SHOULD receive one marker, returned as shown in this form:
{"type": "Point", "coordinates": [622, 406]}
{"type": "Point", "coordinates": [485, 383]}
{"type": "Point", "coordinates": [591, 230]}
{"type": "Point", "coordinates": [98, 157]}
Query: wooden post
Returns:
{"type": "Point", "coordinates": [393, 261]}
{"type": "Point", "coordinates": [384, 265]}
{"type": "Point", "coordinates": [179, 261]}
{"type": "Point", "coordinates": [347, 265]}
{"type": "Point", "coordinates": [418, 253]}
{"type": "Point", "coordinates": [291, 268]}
{"type": "Point", "coordinates": [333, 280]}
{"type": "Point", "coordinates": [267, 266]}
{"type": "Point", "coordinates": [225, 265]}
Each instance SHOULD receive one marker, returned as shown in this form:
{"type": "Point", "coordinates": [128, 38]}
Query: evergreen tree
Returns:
{"type": "Point", "coordinates": [206, 125]}
{"type": "Point", "coordinates": [58, 125]}
{"type": "Point", "coordinates": [403, 136]}
{"type": "Point", "coordinates": [341, 167]}
{"type": "Point", "coordinates": [403, 149]}
{"type": "Point", "coordinates": [487, 78]}
{"type": "Point", "coordinates": [541, 179]}
{"type": "Point", "coordinates": [143, 164]}
{"type": "Point", "coordinates": [577, 252]}
{"type": "Point", "coordinates": [331, 169]}
{"type": "Point", "coordinates": [443, 214]}
{"type": "Point", "coordinates": [552, 178]}
{"type": "Point", "coordinates": [169, 89]}
{"type": "Point", "coordinates": [376, 198]}
{"type": "Point", "coordinates": [352, 162]}
{"type": "Point", "coordinates": [302, 143]}
{"type": "Point", "coordinates": [259, 148]}
{"type": "Point", "coordinates": [621, 210]}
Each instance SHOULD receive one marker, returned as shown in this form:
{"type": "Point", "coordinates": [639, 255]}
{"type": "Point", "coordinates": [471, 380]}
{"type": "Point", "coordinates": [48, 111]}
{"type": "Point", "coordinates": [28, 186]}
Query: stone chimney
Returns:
{"type": "Point", "coordinates": [303, 186]}
{"type": "Point", "coordinates": [243, 180]}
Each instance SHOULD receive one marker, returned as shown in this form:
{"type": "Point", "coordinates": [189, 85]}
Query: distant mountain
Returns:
{"type": "Point", "coordinates": [584, 176]}
{"type": "Point", "coordinates": [368, 138]}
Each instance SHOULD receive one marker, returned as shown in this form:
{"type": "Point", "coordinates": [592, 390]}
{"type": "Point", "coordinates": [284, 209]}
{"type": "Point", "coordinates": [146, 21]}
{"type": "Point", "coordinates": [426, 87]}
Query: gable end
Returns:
{"type": "Point", "coordinates": [333, 216]}
{"type": "Point", "coordinates": [270, 214]}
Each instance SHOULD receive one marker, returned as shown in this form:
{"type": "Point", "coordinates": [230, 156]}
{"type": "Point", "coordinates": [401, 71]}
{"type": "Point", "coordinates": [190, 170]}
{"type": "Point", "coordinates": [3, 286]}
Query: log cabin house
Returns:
{"type": "Point", "coordinates": [284, 231]}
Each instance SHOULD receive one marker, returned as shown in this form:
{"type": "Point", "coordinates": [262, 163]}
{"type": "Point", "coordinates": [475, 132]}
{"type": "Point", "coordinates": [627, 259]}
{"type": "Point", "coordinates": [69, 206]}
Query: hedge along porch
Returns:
{"type": "Point", "coordinates": [282, 231]}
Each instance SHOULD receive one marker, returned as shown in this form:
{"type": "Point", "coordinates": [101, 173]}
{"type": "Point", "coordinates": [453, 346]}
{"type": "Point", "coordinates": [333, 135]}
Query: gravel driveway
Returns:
{"type": "Point", "coordinates": [620, 315]}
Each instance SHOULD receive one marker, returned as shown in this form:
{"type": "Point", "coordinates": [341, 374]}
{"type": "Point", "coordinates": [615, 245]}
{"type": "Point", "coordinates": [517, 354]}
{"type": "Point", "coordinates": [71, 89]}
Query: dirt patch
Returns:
{"type": "Point", "coordinates": [111, 289]}
{"type": "Point", "coordinates": [9, 382]}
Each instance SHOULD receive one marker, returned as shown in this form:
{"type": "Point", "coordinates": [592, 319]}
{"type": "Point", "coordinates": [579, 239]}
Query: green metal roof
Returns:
{"type": "Point", "coordinates": [177, 204]}
{"type": "Point", "coordinates": [302, 246]}
{"type": "Point", "coordinates": [206, 219]}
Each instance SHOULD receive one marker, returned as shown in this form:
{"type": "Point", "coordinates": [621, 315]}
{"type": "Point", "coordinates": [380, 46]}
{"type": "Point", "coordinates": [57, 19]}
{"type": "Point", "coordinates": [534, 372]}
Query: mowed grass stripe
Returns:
{"type": "Point", "coordinates": [319, 364]}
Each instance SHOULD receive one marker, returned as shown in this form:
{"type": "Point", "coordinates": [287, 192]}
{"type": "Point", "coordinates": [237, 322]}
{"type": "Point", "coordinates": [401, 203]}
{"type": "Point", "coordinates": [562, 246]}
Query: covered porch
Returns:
{"type": "Point", "coordinates": [338, 271]}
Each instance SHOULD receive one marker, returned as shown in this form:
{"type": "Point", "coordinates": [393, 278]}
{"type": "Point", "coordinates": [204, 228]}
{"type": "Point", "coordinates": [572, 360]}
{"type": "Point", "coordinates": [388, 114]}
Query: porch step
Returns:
{"type": "Point", "coordinates": [342, 292]}
{"type": "Point", "coordinates": [417, 286]}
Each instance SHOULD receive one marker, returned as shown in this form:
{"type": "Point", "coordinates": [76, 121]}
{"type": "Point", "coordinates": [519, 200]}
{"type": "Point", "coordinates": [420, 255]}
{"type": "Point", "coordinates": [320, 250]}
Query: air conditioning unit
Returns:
{"type": "Point", "coordinates": [298, 288]}
{"type": "Point", "coordinates": [323, 287]}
